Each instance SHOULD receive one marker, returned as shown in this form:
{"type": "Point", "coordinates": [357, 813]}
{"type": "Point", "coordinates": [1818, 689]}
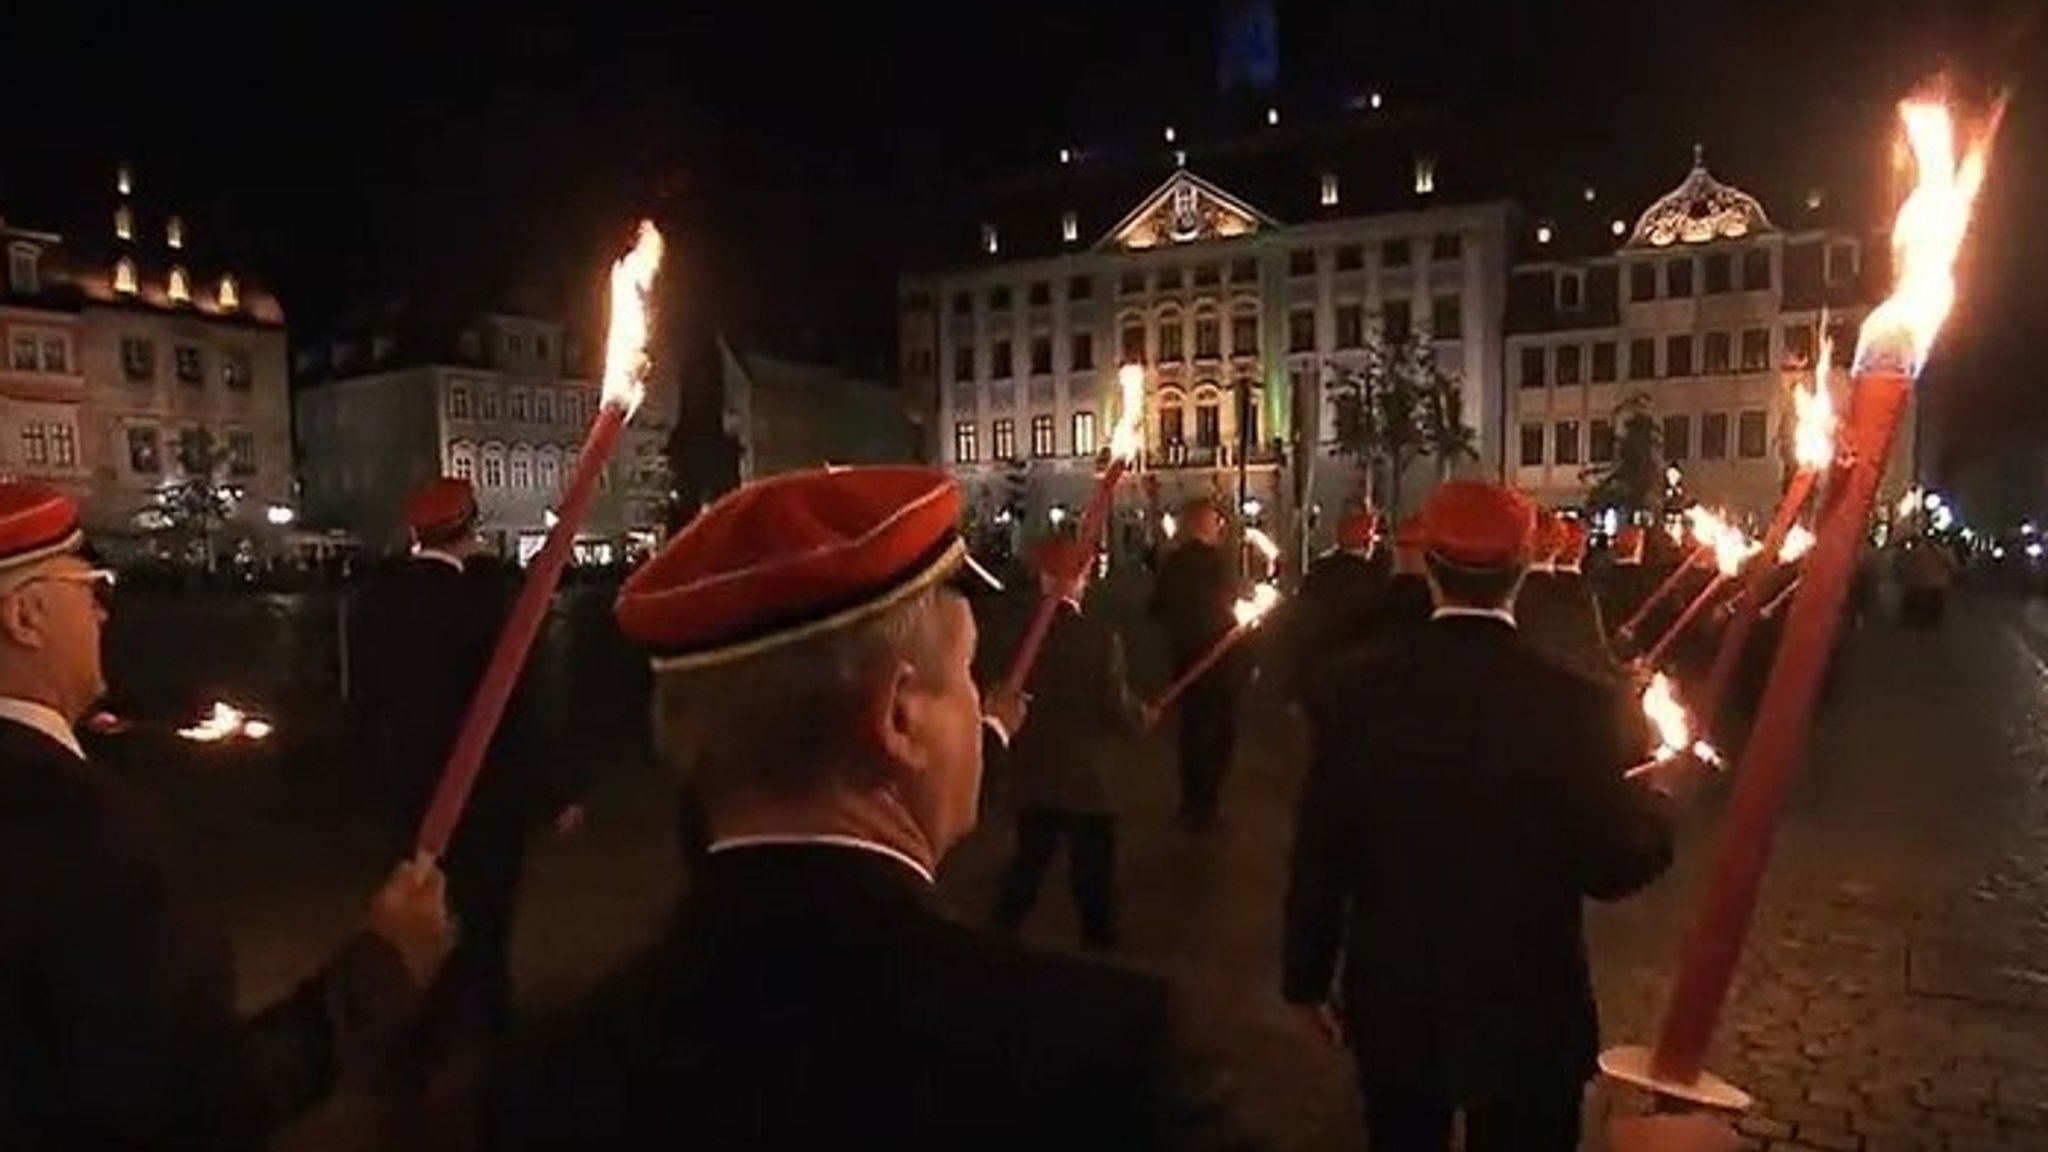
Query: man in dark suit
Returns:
{"type": "Point", "coordinates": [1192, 599]}
{"type": "Point", "coordinates": [809, 992]}
{"type": "Point", "coordinates": [430, 627]}
{"type": "Point", "coordinates": [1404, 605]}
{"type": "Point", "coordinates": [1335, 607]}
{"type": "Point", "coordinates": [1064, 765]}
{"type": "Point", "coordinates": [1558, 613]}
{"type": "Point", "coordinates": [1464, 797]}
{"type": "Point", "coordinates": [117, 1026]}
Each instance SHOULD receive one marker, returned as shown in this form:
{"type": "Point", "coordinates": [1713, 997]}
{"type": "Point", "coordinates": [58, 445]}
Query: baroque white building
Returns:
{"type": "Point", "coordinates": [1243, 279]}
{"type": "Point", "coordinates": [1704, 311]}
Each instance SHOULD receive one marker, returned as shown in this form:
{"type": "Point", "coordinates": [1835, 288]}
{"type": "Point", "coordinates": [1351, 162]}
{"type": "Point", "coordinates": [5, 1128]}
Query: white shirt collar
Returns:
{"type": "Point", "coordinates": [42, 718]}
{"type": "Point", "coordinates": [1455, 611]}
{"type": "Point", "coordinates": [447, 558]}
{"type": "Point", "coordinates": [1572, 569]}
{"type": "Point", "coordinates": [835, 841]}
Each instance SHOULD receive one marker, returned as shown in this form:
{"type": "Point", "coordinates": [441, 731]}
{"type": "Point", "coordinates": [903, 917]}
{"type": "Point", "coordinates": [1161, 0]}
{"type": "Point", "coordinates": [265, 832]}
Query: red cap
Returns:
{"type": "Point", "coordinates": [1356, 532]}
{"type": "Point", "coordinates": [1474, 524]}
{"type": "Point", "coordinates": [441, 510]}
{"type": "Point", "coordinates": [36, 523]}
{"type": "Point", "coordinates": [1571, 536]}
{"type": "Point", "coordinates": [1628, 545]}
{"type": "Point", "coordinates": [1548, 537]}
{"type": "Point", "coordinates": [1410, 534]}
{"type": "Point", "coordinates": [1062, 558]}
{"type": "Point", "coordinates": [795, 556]}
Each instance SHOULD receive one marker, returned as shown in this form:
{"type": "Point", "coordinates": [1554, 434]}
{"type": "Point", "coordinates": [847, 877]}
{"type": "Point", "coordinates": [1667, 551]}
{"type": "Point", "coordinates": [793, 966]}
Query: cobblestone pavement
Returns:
{"type": "Point", "coordinates": [1894, 995]}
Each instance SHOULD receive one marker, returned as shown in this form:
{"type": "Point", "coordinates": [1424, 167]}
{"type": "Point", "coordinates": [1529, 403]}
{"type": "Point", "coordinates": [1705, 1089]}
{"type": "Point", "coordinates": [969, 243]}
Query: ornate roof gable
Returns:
{"type": "Point", "coordinates": [1184, 209]}
{"type": "Point", "coordinates": [1700, 210]}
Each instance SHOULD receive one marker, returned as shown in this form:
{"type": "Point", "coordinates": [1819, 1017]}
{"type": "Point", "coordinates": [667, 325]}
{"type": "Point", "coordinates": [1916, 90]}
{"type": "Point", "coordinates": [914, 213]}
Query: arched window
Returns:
{"type": "Point", "coordinates": [229, 296]}
{"type": "Point", "coordinates": [494, 466]}
{"type": "Point", "coordinates": [124, 276]}
{"type": "Point", "coordinates": [1208, 416]}
{"type": "Point", "coordinates": [180, 288]}
{"type": "Point", "coordinates": [1172, 422]}
{"type": "Point", "coordinates": [549, 466]}
{"type": "Point", "coordinates": [462, 460]}
{"type": "Point", "coordinates": [522, 467]}
{"type": "Point", "coordinates": [1172, 346]}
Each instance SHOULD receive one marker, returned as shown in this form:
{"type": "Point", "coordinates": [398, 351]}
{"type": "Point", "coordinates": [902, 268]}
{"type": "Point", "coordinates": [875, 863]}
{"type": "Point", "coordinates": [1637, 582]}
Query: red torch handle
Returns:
{"type": "Point", "coordinates": [1876, 407]}
{"type": "Point", "coordinates": [1747, 608]}
{"type": "Point", "coordinates": [1186, 679]}
{"type": "Point", "coordinates": [1664, 590]}
{"type": "Point", "coordinates": [1692, 610]}
{"type": "Point", "coordinates": [1092, 518]}
{"type": "Point", "coordinates": [487, 707]}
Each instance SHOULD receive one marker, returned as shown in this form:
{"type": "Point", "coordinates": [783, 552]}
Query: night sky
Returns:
{"type": "Point", "coordinates": [795, 150]}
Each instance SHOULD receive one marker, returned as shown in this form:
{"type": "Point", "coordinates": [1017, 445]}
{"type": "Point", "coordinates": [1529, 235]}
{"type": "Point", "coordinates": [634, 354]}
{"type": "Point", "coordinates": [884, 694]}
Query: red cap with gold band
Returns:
{"type": "Point", "coordinates": [36, 523]}
{"type": "Point", "coordinates": [1409, 534]}
{"type": "Point", "coordinates": [441, 510]}
{"type": "Point", "coordinates": [1571, 535]}
{"type": "Point", "coordinates": [1474, 524]}
{"type": "Point", "coordinates": [1548, 537]}
{"type": "Point", "coordinates": [1628, 544]}
{"type": "Point", "coordinates": [795, 556]}
{"type": "Point", "coordinates": [1061, 558]}
{"type": "Point", "coordinates": [1356, 532]}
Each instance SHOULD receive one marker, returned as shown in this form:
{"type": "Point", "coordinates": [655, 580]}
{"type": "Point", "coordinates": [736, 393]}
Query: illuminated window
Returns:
{"type": "Point", "coordinates": [229, 295]}
{"type": "Point", "coordinates": [23, 274]}
{"type": "Point", "coordinates": [124, 223]}
{"type": "Point", "coordinates": [124, 181]}
{"type": "Point", "coordinates": [462, 461]}
{"type": "Point", "coordinates": [1070, 227]}
{"type": "Point", "coordinates": [988, 239]}
{"type": "Point", "coordinates": [1425, 176]}
{"type": "Point", "coordinates": [174, 232]}
{"type": "Point", "coordinates": [1619, 227]}
{"type": "Point", "coordinates": [548, 469]}
{"type": "Point", "coordinates": [1329, 194]}
{"type": "Point", "coordinates": [180, 290]}
{"type": "Point", "coordinates": [1543, 234]}
{"type": "Point", "coordinates": [124, 276]}
{"type": "Point", "coordinates": [1084, 433]}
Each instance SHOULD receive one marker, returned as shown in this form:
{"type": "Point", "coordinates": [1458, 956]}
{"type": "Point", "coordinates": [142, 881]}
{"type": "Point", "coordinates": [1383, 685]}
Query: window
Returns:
{"type": "Point", "coordinates": [24, 357]}
{"type": "Point", "coordinates": [1080, 288]}
{"type": "Point", "coordinates": [1603, 362]}
{"type": "Point", "coordinates": [999, 298]}
{"type": "Point", "coordinates": [228, 295]}
{"type": "Point", "coordinates": [1798, 345]}
{"type": "Point", "coordinates": [1248, 414]}
{"type": "Point", "coordinates": [1004, 441]}
{"type": "Point", "coordinates": [1532, 368]}
{"type": "Point", "coordinates": [145, 451]}
{"type": "Point", "coordinates": [494, 464]}
{"type": "Point", "coordinates": [1677, 438]}
{"type": "Point", "coordinates": [1131, 345]}
{"type": "Point", "coordinates": [1042, 440]}
{"type": "Point", "coordinates": [518, 406]}
{"type": "Point", "coordinates": [124, 276]}
{"type": "Point", "coordinates": [458, 401]}
{"type": "Point", "coordinates": [179, 288]}
{"type": "Point", "coordinates": [1395, 253]}
{"type": "Point", "coordinates": [1571, 291]}
{"type": "Point", "coordinates": [1350, 325]}
{"type": "Point", "coordinates": [1752, 433]}
{"type": "Point", "coordinates": [35, 445]}
{"type": "Point", "coordinates": [236, 372]}
{"type": "Point", "coordinates": [1756, 349]}
{"type": "Point", "coordinates": [23, 275]}
{"type": "Point", "coordinates": [1717, 354]}
{"type": "Point", "coordinates": [190, 370]}
{"type": "Point", "coordinates": [56, 354]}
{"type": "Point", "coordinates": [1301, 262]}
{"type": "Point", "coordinates": [1244, 335]}
{"type": "Point", "coordinates": [1327, 192]}
{"type": "Point", "coordinates": [1070, 226]}
{"type": "Point", "coordinates": [1208, 421]}
{"type": "Point", "coordinates": [1570, 365]}
{"type": "Point", "coordinates": [63, 445]}
{"type": "Point", "coordinates": [522, 467]}
{"type": "Point", "coordinates": [1208, 338]}
{"type": "Point", "coordinates": [1602, 446]}
{"type": "Point", "coordinates": [1207, 275]}
{"type": "Point", "coordinates": [1841, 261]}
{"type": "Point", "coordinates": [548, 470]}
{"type": "Point", "coordinates": [1446, 246]}
{"type": "Point", "coordinates": [1720, 273]}
{"type": "Point", "coordinates": [1446, 317]}
{"type": "Point", "coordinates": [543, 406]}
{"type": "Point", "coordinates": [1532, 445]}
{"type": "Point", "coordinates": [1678, 356]}
{"type": "Point", "coordinates": [963, 363]}
{"type": "Point", "coordinates": [989, 240]}
{"type": "Point", "coordinates": [1084, 433]}
{"type": "Point", "coordinates": [1678, 277]}
{"type": "Point", "coordinates": [462, 461]}
{"type": "Point", "coordinates": [1714, 436]}
{"type": "Point", "coordinates": [1041, 355]}
{"type": "Point", "coordinates": [487, 409]}
{"type": "Point", "coordinates": [1397, 320]}
{"type": "Point", "coordinates": [1171, 429]}
{"type": "Point", "coordinates": [1642, 282]}
{"type": "Point", "coordinates": [1039, 294]}
{"type": "Point", "coordinates": [1131, 283]}
{"type": "Point", "coordinates": [1567, 439]}
{"type": "Point", "coordinates": [963, 303]}
{"type": "Point", "coordinates": [241, 453]}
{"type": "Point", "coordinates": [1642, 358]}
{"type": "Point", "coordinates": [1425, 176]}
{"type": "Point", "coordinates": [1350, 257]}
{"type": "Point", "coordinates": [1170, 346]}
{"type": "Point", "coordinates": [1756, 270]}
{"type": "Point", "coordinates": [1301, 330]}
{"type": "Point", "coordinates": [1002, 360]}
{"type": "Point", "coordinates": [1081, 351]}
{"type": "Point", "coordinates": [138, 360]}
{"type": "Point", "coordinates": [1841, 338]}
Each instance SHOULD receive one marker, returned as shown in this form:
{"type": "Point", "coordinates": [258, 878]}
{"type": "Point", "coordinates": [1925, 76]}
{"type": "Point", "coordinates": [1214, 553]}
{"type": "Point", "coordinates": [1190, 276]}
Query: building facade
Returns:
{"type": "Point", "coordinates": [134, 368]}
{"type": "Point", "coordinates": [785, 415]}
{"type": "Point", "coordinates": [501, 400]}
{"type": "Point", "coordinates": [1703, 312]}
{"type": "Point", "coordinates": [1243, 296]}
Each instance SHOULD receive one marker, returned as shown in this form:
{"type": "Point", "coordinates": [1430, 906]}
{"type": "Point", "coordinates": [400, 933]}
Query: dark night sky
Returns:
{"type": "Point", "coordinates": [795, 149]}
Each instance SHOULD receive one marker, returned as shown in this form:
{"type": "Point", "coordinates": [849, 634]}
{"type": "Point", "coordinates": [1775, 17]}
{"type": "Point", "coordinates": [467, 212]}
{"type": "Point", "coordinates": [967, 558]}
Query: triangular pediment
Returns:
{"type": "Point", "coordinates": [1183, 210]}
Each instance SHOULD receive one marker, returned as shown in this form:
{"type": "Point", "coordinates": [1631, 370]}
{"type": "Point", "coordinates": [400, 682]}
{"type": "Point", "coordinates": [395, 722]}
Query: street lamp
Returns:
{"type": "Point", "coordinates": [280, 515]}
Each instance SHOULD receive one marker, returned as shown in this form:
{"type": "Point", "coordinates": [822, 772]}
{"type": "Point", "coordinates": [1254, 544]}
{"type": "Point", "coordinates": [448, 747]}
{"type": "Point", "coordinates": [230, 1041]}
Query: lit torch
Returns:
{"type": "Point", "coordinates": [1891, 349]}
{"type": "Point", "coordinates": [1731, 550]}
{"type": "Point", "coordinates": [1123, 448]}
{"type": "Point", "coordinates": [1249, 612]}
{"type": "Point", "coordinates": [224, 722]}
{"type": "Point", "coordinates": [1704, 527]}
{"type": "Point", "coordinates": [625, 376]}
{"type": "Point", "coordinates": [1667, 717]}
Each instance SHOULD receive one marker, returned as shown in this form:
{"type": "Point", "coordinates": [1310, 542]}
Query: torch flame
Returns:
{"type": "Point", "coordinates": [224, 721]}
{"type": "Point", "coordinates": [1927, 235]}
{"type": "Point", "coordinates": [625, 341]}
{"type": "Point", "coordinates": [1798, 542]}
{"type": "Point", "coordinates": [1733, 548]}
{"type": "Point", "coordinates": [1813, 436]}
{"type": "Point", "coordinates": [1130, 413]}
{"type": "Point", "coordinates": [1674, 727]}
{"type": "Point", "coordinates": [1251, 609]}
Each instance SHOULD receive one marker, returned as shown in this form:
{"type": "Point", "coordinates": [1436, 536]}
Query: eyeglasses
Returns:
{"type": "Point", "coordinates": [99, 580]}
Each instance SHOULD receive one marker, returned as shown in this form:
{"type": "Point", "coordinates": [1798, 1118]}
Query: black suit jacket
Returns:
{"type": "Point", "coordinates": [1465, 796]}
{"type": "Point", "coordinates": [811, 996]}
{"type": "Point", "coordinates": [116, 994]}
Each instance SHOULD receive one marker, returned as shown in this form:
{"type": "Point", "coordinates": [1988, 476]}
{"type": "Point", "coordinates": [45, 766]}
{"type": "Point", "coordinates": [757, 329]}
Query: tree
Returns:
{"type": "Point", "coordinates": [194, 507]}
{"type": "Point", "coordinates": [1398, 407]}
{"type": "Point", "coordinates": [1633, 480]}
{"type": "Point", "coordinates": [1445, 434]}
